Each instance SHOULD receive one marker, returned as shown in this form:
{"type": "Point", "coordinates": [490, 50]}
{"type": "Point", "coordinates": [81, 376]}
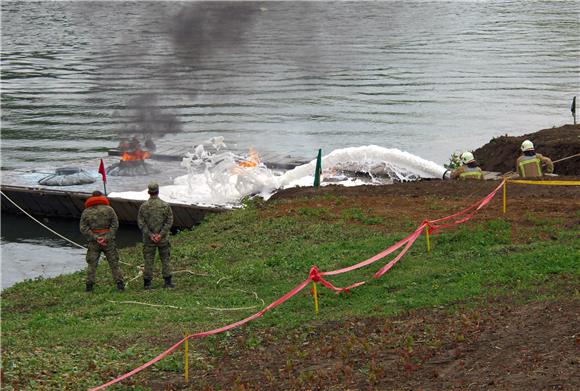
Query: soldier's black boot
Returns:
{"type": "Point", "coordinates": [147, 283]}
{"type": "Point", "coordinates": [168, 283]}
{"type": "Point", "coordinates": [120, 286]}
{"type": "Point", "coordinates": [89, 287]}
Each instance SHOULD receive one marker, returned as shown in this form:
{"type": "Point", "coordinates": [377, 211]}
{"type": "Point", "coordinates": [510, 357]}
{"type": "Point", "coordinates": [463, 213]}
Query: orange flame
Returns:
{"type": "Point", "coordinates": [252, 161]}
{"type": "Point", "coordinates": [137, 154]}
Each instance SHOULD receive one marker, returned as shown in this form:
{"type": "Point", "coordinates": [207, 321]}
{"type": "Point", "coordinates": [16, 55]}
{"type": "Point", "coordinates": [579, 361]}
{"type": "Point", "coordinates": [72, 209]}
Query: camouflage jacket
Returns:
{"type": "Point", "coordinates": [155, 217]}
{"type": "Point", "coordinates": [99, 220]}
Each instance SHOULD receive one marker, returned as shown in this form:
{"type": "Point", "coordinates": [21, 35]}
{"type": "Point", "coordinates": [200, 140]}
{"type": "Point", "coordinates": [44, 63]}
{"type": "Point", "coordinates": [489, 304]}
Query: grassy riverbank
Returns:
{"type": "Point", "coordinates": [56, 336]}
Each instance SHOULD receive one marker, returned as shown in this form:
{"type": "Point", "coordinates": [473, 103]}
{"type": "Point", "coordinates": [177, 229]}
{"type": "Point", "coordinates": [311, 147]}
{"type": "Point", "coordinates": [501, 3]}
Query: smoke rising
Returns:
{"type": "Point", "coordinates": [193, 32]}
{"type": "Point", "coordinates": [182, 49]}
{"type": "Point", "coordinates": [147, 118]}
{"type": "Point", "coordinates": [200, 28]}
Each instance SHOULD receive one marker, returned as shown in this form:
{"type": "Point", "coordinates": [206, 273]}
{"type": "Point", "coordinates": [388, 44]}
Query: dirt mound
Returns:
{"type": "Point", "coordinates": [500, 153]}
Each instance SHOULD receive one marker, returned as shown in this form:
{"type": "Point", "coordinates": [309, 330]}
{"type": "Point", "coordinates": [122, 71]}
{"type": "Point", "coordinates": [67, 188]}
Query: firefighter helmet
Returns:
{"type": "Point", "coordinates": [527, 146]}
{"type": "Point", "coordinates": [467, 157]}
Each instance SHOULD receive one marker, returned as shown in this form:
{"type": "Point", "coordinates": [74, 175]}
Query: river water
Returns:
{"type": "Point", "coordinates": [288, 78]}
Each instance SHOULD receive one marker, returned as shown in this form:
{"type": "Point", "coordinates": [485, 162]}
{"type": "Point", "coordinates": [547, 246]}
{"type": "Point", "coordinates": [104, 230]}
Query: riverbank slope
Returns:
{"type": "Point", "coordinates": [492, 305]}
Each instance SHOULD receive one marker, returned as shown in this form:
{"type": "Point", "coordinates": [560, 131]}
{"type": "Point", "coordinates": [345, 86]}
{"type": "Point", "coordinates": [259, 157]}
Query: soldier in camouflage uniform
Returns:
{"type": "Point", "coordinates": [155, 220]}
{"type": "Point", "coordinates": [99, 225]}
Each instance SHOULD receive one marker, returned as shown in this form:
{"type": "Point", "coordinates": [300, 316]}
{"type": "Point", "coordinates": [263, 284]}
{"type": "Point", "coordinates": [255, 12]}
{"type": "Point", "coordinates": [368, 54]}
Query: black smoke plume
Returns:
{"type": "Point", "coordinates": [195, 31]}
{"type": "Point", "coordinates": [144, 116]}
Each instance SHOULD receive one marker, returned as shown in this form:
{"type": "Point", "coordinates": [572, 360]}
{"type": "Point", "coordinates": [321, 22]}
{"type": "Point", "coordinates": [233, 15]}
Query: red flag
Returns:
{"type": "Point", "coordinates": [102, 171]}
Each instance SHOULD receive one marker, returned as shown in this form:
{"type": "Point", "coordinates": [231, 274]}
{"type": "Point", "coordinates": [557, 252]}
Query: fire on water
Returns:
{"type": "Point", "coordinates": [253, 159]}
{"type": "Point", "coordinates": [137, 154]}
{"type": "Point", "coordinates": [225, 178]}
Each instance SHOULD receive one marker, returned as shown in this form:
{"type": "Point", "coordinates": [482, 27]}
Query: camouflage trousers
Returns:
{"type": "Point", "coordinates": [149, 252]}
{"type": "Point", "coordinates": [93, 254]}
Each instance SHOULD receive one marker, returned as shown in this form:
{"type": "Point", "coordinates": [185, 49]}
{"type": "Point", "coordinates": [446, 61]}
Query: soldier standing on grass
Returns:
{"type": "Point", "coordinates": [155, 220]}
{"type": "Point", "coordinates": [99, 225]}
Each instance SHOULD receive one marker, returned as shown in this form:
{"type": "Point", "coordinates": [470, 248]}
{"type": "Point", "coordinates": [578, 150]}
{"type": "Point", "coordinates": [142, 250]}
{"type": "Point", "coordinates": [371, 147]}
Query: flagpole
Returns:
{"type": "Point", "coordinates": [318, 169]}
{"type": "Point", "coordinates": [573, 109]}
{"type": "Point", "coordinates": [103, 173]}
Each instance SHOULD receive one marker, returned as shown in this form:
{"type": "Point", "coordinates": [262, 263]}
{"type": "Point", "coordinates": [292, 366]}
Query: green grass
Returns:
{"type": "Point", "coordinates": [56, 336]}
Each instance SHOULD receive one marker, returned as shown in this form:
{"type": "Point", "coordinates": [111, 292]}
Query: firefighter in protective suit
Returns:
{"type": "Point", "coordinates": [99, 224]}
{"type": "Point", "coordinates": [155, 219]}
{"type": "Point", "coordinates": [530, 164]}
{"type": "Point", "coordinates": [469, 168]}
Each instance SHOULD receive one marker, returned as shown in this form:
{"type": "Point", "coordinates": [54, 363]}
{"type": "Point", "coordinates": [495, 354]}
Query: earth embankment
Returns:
{"type": "Point", "coordinates": [500, 153]}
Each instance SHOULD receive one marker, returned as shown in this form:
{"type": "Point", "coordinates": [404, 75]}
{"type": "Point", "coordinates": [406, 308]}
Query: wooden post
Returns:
{"type": "Point", "coordinates": [315, 298]}
{"type": "Point", "coordinates": [186, 359]}
{"type": "Point", "coordinates": [428, 241]}
{"type": "Point", "coordinates": [504, 196]}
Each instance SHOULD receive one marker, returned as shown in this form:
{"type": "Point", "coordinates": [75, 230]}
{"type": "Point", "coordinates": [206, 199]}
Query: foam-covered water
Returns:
{"type": "Point", "coordinates": [225, 178]}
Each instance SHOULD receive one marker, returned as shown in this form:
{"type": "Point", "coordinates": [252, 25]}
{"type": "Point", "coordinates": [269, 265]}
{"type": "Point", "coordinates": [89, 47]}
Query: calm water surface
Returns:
{"type": "Point", "coordinates": [284, 77]}
{"type": "Point", "coordinates": [290, 77]}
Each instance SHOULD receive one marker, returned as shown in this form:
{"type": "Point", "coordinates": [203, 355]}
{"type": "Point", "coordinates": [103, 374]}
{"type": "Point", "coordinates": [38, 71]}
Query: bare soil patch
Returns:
{"type": "Point", "coordinates": [500, 153]}
{"type": "Point", "coordinates": [501, 345]}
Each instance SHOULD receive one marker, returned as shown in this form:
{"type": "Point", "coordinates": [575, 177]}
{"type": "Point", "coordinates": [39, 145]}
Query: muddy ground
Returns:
{"type": "Point", "coordinates": [501, 346]}
{"type": "Point", "coordinates": [501, 153]}
{"type": "Point", "coordinates": [505, 344]}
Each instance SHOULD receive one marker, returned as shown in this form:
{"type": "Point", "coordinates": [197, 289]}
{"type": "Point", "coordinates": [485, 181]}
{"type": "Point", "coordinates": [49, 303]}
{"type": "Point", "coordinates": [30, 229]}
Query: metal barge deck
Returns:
{"type": "Point", "coordinates": [67, 204]}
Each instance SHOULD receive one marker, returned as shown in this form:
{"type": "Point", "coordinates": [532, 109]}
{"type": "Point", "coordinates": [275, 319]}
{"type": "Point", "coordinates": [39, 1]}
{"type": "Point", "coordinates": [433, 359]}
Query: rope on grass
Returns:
{"type": "Point", "coordinates": [231, 309]}
{"type": "Point", "coordinates": [141, 267]}
{"type": "Point", "coordinates": [239, 308]}
{"type": "Point", "coordinates": [191, 272]}
{"type": "Point", "coordinates": [181, 308]}
{"type": "Point", "coordinates": [147, 304]}
{"type": "Point", "coordinates": [137, 276]}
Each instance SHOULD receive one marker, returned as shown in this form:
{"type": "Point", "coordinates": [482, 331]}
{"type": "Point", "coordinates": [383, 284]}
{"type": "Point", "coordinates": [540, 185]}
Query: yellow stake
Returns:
{"type": "Point", "coordinates": [186, 358]}
{"type": "Point", "coordinates": [315, 297]}
{"type": "Point", "coordinates": [428, 242]}
{"type": "Point", "coordinates": [504, 197]}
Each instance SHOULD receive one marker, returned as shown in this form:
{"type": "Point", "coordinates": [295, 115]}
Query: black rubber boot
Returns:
{"type": "Point", "coordinates": [89, 287]}
{"type": "Point", "coordinates": [120, 286]}
{"type": "Point", "coordinates": [168, 283]}
{"type": "Point", "coordinates": [147, 284]}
